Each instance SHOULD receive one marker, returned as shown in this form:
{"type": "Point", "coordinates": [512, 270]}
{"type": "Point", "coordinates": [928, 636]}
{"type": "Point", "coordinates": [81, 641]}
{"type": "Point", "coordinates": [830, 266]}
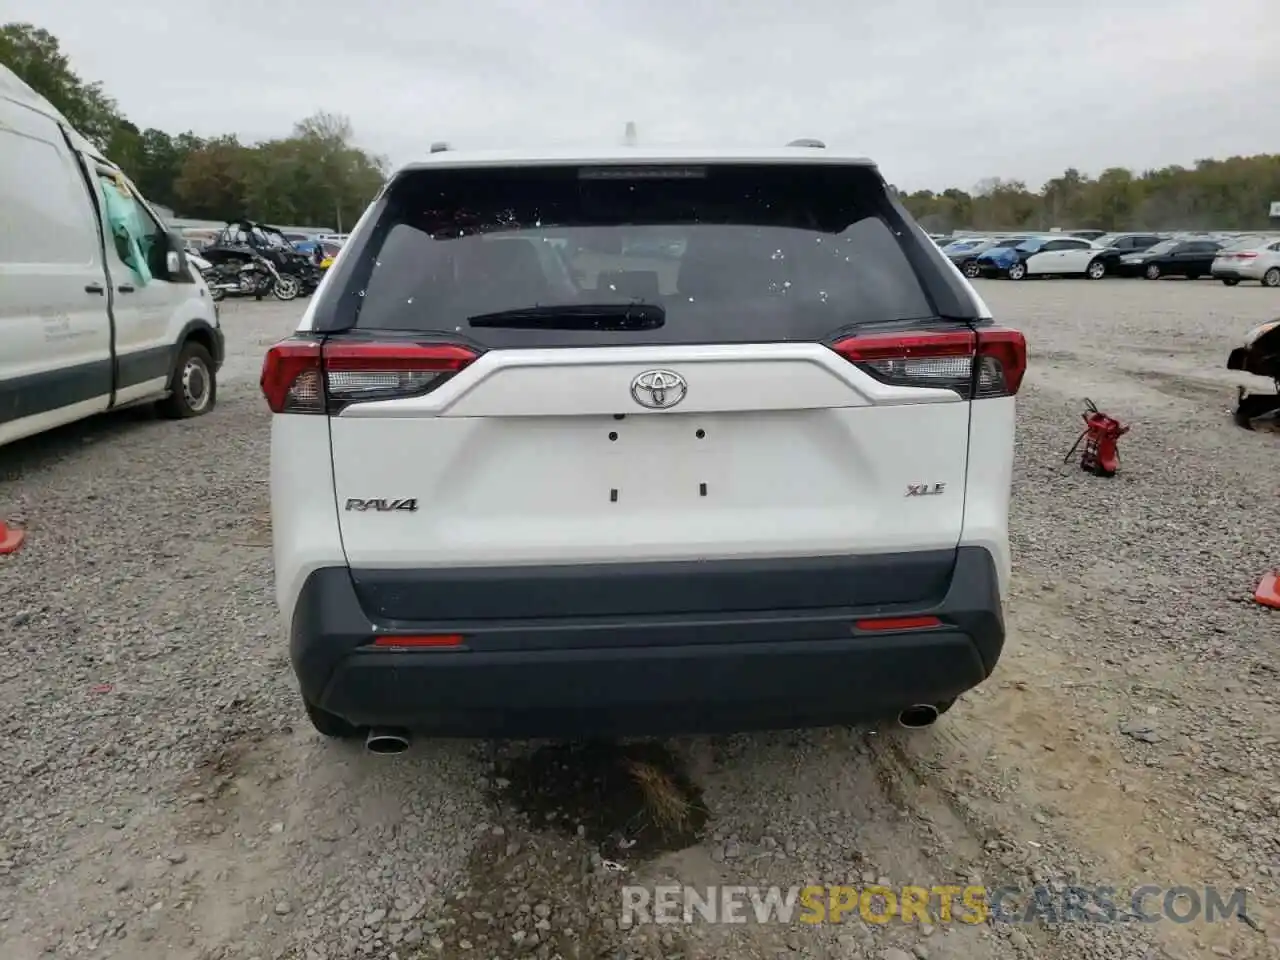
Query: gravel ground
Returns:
{"type": "Point", "coordinates": [162, 796]}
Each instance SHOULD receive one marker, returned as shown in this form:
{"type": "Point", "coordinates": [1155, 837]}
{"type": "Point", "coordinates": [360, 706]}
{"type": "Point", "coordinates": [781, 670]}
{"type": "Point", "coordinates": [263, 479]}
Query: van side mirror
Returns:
{"type": "Point", "coordinates": [175, 260]}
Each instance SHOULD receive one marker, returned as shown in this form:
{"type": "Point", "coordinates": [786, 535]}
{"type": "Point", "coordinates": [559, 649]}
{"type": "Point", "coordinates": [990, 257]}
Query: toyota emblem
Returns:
{"type": "Point", "coordinates": [658, 389]}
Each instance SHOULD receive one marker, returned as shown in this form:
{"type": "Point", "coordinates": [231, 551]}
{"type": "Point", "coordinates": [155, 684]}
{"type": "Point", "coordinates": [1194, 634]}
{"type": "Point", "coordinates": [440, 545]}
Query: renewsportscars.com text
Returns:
{"type": "Point", "coordinates": [938, 904]}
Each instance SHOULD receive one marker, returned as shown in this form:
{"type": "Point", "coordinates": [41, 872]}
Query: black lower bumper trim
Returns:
{"type": "Point", "coordinates": [649, 673]}
{"type": "Point", "coordinates": [655, 588]}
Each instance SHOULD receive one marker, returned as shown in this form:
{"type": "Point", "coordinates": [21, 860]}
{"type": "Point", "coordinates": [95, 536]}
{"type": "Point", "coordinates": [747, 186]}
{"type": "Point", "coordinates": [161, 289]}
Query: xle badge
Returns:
{"type": "Point", "coordinates": [383, 506]}
{"type": "Point", "coordinates": [925, 489]}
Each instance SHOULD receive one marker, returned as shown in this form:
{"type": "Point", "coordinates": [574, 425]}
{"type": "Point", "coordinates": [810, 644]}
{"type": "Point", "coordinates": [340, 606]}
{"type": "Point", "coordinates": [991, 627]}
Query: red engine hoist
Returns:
{"type": "Point", "coordinates": [1101, 437]}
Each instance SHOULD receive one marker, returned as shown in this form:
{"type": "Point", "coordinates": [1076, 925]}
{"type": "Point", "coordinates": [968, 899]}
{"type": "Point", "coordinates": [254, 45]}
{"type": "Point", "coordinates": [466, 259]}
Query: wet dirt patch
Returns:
{"type": "Point", "coordinates": [631, 800]}
{"type": "Point", "coordinates": [527, 894]}
{"type": "Point", "coordinates": [1184, 387]}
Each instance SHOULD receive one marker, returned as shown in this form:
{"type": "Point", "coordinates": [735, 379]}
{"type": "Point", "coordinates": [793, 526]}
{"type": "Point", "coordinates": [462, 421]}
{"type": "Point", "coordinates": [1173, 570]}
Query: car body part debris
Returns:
{"type": "Point", "coordinates": [1268, 592]}
{"type": "Point", "coordinates": [1101, 437]}
{"type": "Point", "coordinates": [1258, 355]}
{"type": "Point", "coordinates": [11, 538]}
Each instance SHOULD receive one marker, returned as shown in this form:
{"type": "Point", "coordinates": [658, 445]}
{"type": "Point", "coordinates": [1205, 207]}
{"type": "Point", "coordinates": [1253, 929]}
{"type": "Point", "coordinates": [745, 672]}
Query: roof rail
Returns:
{"type": "Point", "coordinates": [439, 146]}
{"type": "Point", "coordinates": [807, 142]}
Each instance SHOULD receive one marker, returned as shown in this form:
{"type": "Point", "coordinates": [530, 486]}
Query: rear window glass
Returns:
{"type": "Point", "coordinates": [731, 253]}
{"type": "Point", "coordinates": [1246, 243]}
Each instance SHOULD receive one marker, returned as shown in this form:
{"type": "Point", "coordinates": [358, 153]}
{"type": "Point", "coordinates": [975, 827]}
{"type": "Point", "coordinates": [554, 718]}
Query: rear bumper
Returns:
{"type": "Point", "coordinates": [647, 673]}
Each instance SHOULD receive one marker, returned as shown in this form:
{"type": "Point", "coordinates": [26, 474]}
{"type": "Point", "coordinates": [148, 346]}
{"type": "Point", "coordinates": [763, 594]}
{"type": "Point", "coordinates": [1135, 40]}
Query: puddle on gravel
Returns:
{"type": "Point", "coordinates": [628, 799]}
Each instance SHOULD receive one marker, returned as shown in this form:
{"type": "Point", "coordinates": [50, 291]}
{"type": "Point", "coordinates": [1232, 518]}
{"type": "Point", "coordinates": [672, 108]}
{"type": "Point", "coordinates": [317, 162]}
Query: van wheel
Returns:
{"type": "Point", "coordinates": [328, 724]}
{"type": "Point", "coordinates": [193, 388]}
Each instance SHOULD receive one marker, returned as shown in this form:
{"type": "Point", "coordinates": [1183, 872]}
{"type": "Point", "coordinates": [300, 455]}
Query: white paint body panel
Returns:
{"type": "Point", "coordinates": [512, 461]}
{"type": "Point", "coordinates": [989, 482]}
{"type": "Point", "coordinates": [304, 523]}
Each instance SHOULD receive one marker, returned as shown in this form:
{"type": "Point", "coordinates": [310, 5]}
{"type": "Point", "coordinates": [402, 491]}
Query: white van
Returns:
{"type": "Point", "coordinates": [99, 308]}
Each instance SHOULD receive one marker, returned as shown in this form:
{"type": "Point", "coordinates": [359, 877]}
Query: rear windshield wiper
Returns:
{"type": "Point", "coordinates": [575, 316]}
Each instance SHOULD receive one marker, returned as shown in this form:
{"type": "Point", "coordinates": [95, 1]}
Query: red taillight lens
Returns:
{"type": "Point", "coordinates": [989, 362]}
{"type": "Point", "coordinates": [1002, 362]}
{"type": "Point", "coordinates": [303, 376]}
{"type": "Point", "coordinates": [291, 380]}
{"type": "Point", "coordinates": [1246, 256]}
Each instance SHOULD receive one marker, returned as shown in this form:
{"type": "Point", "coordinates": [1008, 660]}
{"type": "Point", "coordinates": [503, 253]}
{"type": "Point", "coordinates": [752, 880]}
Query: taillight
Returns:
{"type": "Point", "coordinates": [977, 364]}
{"type": "Point", "coordinates": [291, 380]}
{"type": "Point", "coordinates": [1246, 256]}
{"type": "Point", "coordinates": [308, 376]}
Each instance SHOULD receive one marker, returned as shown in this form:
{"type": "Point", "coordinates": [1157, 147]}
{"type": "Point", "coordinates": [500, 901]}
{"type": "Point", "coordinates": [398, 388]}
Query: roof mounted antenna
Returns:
{"type": "Point", "coordinates": [440, 146]}
{"type": "Point", "coordinates": [808, 142]}
{"type": "Point", "coordinates": [629, 136]}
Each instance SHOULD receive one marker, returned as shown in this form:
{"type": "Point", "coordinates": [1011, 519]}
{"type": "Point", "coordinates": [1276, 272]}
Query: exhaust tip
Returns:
{"type": "Point", "coordinates": [386, 742]}
{"type": "Point", "coordinates": [920, 715]}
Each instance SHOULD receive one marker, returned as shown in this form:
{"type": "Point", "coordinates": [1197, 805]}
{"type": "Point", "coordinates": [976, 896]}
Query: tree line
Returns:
{"type": "Point", "coordinates": [1232, 194]}
{"type": "Point", "coordinates": [315, 176]}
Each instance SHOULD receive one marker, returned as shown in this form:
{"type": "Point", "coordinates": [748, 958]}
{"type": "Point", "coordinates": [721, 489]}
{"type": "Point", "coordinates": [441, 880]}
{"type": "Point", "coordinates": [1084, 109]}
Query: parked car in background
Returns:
{"type": "Point", "coordinates": [1172, 258]}
{"type": "Point", "coordinates": [328, 248]}
{"type": "Point", "coordinates": [964, 253]}
{"type": "Point", "coordinates": [997, 260]}
{"type": "Point", "coordinates": [1252, 259]}
{"type": "Point", "coordinates": [1047, 255]}
{"type": "Point", "coordinates": [1087, 234]}
{"type": "Point", "coordinates": [1116, 246]}
{"type": "Point", "coordinates": [1125, 243]}
{"type": "Point", "coordinates": [1135, 263]}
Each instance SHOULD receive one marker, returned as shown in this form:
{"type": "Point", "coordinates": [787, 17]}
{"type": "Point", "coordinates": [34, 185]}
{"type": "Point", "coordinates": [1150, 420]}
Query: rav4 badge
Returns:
{"type": "Point", "coordinates": [383, 506]}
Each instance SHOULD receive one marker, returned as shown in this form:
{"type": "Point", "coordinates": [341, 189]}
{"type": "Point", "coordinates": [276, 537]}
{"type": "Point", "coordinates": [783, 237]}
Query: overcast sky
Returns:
{"type": "Point", "coordinates": [940, 92]}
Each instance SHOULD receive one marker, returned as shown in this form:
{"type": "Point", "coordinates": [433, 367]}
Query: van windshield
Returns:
{"type": "Point", "coordinates": [731, 253]}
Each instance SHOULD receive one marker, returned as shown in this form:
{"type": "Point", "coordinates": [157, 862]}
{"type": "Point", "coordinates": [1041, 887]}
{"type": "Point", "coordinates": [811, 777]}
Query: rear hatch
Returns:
{"type": "Point", "coordinates": [554, 366]}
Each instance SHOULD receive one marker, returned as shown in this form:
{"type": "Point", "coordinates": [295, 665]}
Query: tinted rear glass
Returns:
{"type": "Point", "coordinates": [732, 253]}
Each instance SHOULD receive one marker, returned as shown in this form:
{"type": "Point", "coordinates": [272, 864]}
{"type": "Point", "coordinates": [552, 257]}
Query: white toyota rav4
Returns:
{"type": "Point", "coordinates": [639, 442]}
